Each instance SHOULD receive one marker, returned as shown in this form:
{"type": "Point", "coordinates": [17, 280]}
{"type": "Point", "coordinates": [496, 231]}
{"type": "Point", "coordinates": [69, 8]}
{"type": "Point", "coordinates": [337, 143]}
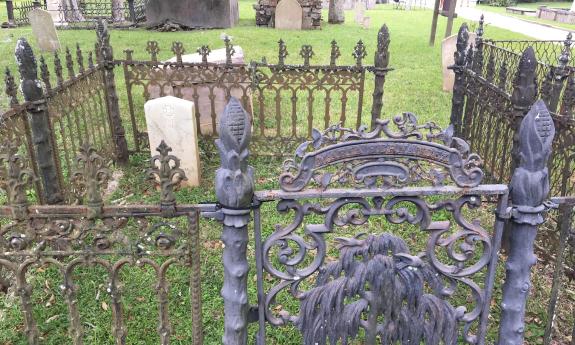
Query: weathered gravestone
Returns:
{"type": "Point", "coordinates": [448, 48]}
{"type": "Point", "coordinates": [289, 15]}
{"type": "Point", "coordinates": [359, 12]}
{"type": "Point", "coordinates": [172, 120]}
{"type": "Point", "coordinates": [210, 96]}
{"type": "Point", "coordinates": [370, 4]}
{"type": "Point", "coordinates": [193, 13]}
{"type": "Point", "coordinates": [336, 14]}
{"type": "Point", "coordinates": [44, 30]}
{"type": "Point", "coordinates": [55, 9]}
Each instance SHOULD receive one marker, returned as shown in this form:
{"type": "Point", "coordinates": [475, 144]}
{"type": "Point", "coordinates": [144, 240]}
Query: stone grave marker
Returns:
{"type": "Point", "coordinates": [172, 119]}
{"type": "Point", "coordinates": [44, 30]}
{"type": "Point", "coordinates": [370, 4]}
{"type": "Point", "coordinates": [289, 15]}
{"type": "Point", "coordinates": [193, 13]}
{"type": "Point", "coordinates": [448, 48]}
{"type": "Point", "coordinates": [366, 22]}
{"type": "Point", "coordinates": [53, 6]}
{"type": "Point", "coordinates": [359, 12]}
{"type": "Point", "coordinates": [336, 14]}
{"type": "Point", "coordinates": [203, 91]}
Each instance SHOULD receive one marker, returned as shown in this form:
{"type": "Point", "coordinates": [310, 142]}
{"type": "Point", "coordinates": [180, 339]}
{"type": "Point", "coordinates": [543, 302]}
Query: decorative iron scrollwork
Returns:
{"type": "Point", "coordinates": [166, 168]}
{"type": "Point", "coordinates": [359, 53]}
{"type": "Point", "coordinates": [204, 51]}
{"type": "Point", "coordinates": [15, 177]}
{"type": "Point", "coordinates": [411, 154]}
{"type": "Point", "coordinates": [358, 282]}
{"type": "Point", "coordinates": [91, 174]}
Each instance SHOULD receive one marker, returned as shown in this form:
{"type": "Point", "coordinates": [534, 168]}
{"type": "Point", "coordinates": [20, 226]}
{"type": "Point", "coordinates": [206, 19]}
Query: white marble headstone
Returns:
{"type": "Point", "coordinates": [172, 119]}
{"type": "Point", "coordinates": [44, 30]}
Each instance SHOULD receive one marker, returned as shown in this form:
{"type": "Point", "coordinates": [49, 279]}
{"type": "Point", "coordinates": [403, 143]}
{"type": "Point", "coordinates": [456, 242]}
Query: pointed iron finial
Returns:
{"type": "Point", "coordinates": [204, 51]}
{"type": "Point", "coordinates": [566, 53]}
{"type": "Point", "coordinates": [153, 49]}
{"type": "Point", "coordinates": [166, 168]}
{"type": "Point", "coordinates": [335, 53]}
{"type": "Point", "coordinates": [502, 76]}
{"type": "Point", "coordinates": [70, 64]}
{"type": "Point", "coordinates": [11, 88]}
{"type": "Point", "coordinates": [525, 82]}
{"type": "Point", "coordinates": [480, 28]}
{"type": "Point", "coordinates": [15, 177]}
{"type": "Point", "coordinates": [45, 73]}
{"type": "Point", "coordinates": [282, 52]}
{"type": "Point", "coordinates": [306, 53]}
{"type": "Point", "coordinates": [58, 69]}
{"type": "Point", "coordinates": [79, 58]}
{"type": "Point", "coordinates": [381, 59]}
{"type": "Point", "coordinates": [234, 179]}
{"type": "Point", "coordinates": [91, 174]}
{"type": "Point", "coordinates": [359, 53]}
{"type": "Point", "coordinates": [31, 87]}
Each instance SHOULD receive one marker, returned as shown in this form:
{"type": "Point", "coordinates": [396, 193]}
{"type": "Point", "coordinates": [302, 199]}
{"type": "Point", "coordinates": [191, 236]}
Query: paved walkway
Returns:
{"type": "Point", "coordinates": [537, 31]}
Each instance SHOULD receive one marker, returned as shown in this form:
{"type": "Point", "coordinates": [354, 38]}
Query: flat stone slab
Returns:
{"type": "Point", "coordinates": [193, 13]}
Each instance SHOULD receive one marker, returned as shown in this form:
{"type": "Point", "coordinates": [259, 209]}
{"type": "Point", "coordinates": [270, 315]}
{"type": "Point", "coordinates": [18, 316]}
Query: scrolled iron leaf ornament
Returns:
{"type": "Point", "coordinates": [165, 168]}
{"type": "Point", "coordinates": [410, 152]}
{"type": "Point", "coordinates": [91, 174]}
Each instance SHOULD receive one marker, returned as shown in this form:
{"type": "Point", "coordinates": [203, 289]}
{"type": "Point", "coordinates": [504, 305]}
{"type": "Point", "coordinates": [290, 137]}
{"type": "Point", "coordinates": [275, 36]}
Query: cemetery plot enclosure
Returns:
{"type": "Point", "coordinates": [496, 82]}
{"type": "Point", "coordinates": [80, 14]}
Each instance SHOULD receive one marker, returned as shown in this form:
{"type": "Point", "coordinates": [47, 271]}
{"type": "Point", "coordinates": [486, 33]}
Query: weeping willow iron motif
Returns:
{"type": "Point", "coordinates": [341, 303]}
{"type": "Point", "coordinates": [409, 154]}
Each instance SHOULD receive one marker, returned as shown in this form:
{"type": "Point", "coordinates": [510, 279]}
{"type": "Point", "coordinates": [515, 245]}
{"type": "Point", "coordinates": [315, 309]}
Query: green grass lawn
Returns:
{"type": "Point", "coordinates": [414, 85]}
{"type": "Point", "coordinates": [533, 5]}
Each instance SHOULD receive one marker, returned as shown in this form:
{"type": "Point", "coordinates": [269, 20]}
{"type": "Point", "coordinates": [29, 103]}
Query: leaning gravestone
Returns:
{"type": "Point", "coordinates": [359, 12]}
{"type": "Point", "coordinates": [44, 30]}
{"type": "Point", "coordinates": [448, 48]}
{"type": "Point", "coordinates": [172, 120]}
{"type": "Point", "coordinates": [289, 15]}
{"type": "Point", "coordinates": [207, 93]}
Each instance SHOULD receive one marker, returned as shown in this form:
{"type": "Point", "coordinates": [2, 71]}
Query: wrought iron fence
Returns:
{"type": "Point", "coordinates": [82, 14]}
{"type": "Point", "coordinates": [73, 240]}
{"type": "Point", "coordinates": [496, 84]}
{"type": "Point", "coordinates": [279, 96]}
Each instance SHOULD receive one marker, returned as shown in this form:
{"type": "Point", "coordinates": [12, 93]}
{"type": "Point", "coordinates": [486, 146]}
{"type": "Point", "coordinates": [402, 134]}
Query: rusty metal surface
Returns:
{"type": "Point", "coordinates": [343, 180]}
{"type": "Point", "coordinates": [91, 234]}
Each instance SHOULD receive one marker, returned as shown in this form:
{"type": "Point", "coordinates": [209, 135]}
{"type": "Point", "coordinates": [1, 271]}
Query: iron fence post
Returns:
{"type": "Point", "coordinates": [458, 68]}
{"type": "Point", "coordinates": [10, 13]}
{"type": "Point", "coordinates": [235, 190]}
{"type": "Point", "coordinates": [381, 62]}
{"type": "Point", "coordinates": [528, 189]}
{"type": "Point", "coordinates": [478, 52]}
{"type": "Point", "coordinates": [38, 117]}
{"type": "Point", "coordinates": [105, 56]}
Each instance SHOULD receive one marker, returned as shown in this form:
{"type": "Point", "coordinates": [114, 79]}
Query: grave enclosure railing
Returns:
{"type": "Point", "coordinates": [496, 84]}
{"type": "Point", "coordinates": [80, 102]}
{"type": "Point", "coordinates": [341, 183]}
{"type": "Point", "coordinates": [80, 14]}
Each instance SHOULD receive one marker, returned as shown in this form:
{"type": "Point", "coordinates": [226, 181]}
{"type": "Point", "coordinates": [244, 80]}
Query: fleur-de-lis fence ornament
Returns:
{"type": "Point", "coordinates": [153, 49]}
{"type": "Point", "coordinates": [178, 50]}
{"type": "Point", "coordinates": [306, 53]}
{"type": "Point", "coordinates": [15, 177]}
{"type": "Point", "coordinates": [58, 69]}
{"type": "Point", "coordinates": [335, 53]}
{"type": "Point", "coordinates": [204, 51]}
{"type": "Point", "coordinates": [91, 174]}
{"type": "Point", "coordinates": [166, 169]}
{"type": "Point", "coordinates": [282, 53]}
{"type": "Point", "coordinates": [230, 51]}
{"type": "Point", "coordinates": [359, 53]}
